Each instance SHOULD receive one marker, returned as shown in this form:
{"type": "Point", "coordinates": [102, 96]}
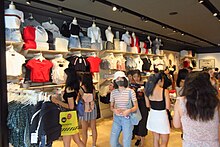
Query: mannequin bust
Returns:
{"type": "Point", "coordinates": [148, 38]}
{"type": "Point", "coordinates": [93, 24]}
{"type": "Point", "coordinates": [126, 38]}
{"type": "Point", "coordinates": [134, 37]}
{"type": "Point", "coordinates": [109, 35]}
{"type": "Point", "coordinates": [74, 21]}
{"type": "Point", "coordinates": [11, 5]}
{"type": "Point", "coordinates": [127, 32]}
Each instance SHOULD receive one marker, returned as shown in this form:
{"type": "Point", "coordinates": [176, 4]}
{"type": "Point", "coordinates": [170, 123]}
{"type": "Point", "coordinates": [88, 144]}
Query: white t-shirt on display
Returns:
{"type": "Point", "coordinates": [13, 18]}
{"type": "Point", "coordinates": [139, 63]}
{"type": "Point", "coordinates": [14, 62]}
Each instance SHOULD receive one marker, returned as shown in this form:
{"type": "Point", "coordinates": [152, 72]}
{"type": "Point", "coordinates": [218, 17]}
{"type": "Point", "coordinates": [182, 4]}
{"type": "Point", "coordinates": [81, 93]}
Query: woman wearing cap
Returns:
{"type": "Point", "coordinates": [158, 122]}
{"type": "Point", "coordinates": [119, 99]}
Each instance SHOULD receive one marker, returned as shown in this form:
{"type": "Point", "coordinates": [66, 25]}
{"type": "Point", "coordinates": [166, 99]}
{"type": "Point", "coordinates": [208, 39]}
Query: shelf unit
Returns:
{"type": "Point", "coordinates": [83, 50]}
{"type": "Point", "coordinates": [48, 52]}
{"type": "Point", "coordinates": [45, 86]}
{"type": "Point", "coordinates": [17, 45]}
{"type": "Point", "coordinates": [128, 53]}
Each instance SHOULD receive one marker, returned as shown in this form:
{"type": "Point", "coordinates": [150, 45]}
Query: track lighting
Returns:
{"type": "Point", "coordinates": [144, 19]}
{"type": "Point", "coordinates": [164, 27]}
{"type": "Point", "coordinates": [120, 10]}
{"type": "Point", "coordinates": [60, 9]}
{"type": "Point", "coordinates": [28, 2]}
{"type": "Point", "coordinates": [215, 14]}
{"type": "Point", "coordinates": [114, 8]}
{"type": "Point", "coordinates": [182, 34]}
{"type": "Point", "coordinates": [174, 31]}
{"type": "Point", "coordinates": [201, 1]}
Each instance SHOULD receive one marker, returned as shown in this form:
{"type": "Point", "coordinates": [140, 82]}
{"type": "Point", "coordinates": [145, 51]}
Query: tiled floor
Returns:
{"type": "Point", "coordinates": [104, 129]}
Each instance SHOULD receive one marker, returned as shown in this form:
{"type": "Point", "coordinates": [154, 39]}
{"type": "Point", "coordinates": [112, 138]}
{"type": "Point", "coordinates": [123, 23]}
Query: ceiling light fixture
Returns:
{"type": "Point", "coordinates": [120, 10]}
{"type": "Point", "coordinates": [164, 27]}
{"type": "Point", "coordinates": [144, 19]}
{"type": "Point", "coordinates": [60, 9]}
{"type": "Point", "coordinates": [28, 2]}
{"type": "Point", "coordinates": [215, 14]}
{"type": "Point", "coordinates": [201, 1]}
{"type": "Point", "coordinates": [174, 31]}
{"type": "Point", "coordinates": [114, 8]}
{"type": "Point", "coordinates": [182, 34]}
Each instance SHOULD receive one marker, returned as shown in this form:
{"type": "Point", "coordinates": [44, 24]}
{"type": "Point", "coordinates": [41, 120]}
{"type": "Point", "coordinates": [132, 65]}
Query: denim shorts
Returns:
{"type": "Point", "coordinates": [13, 35]}
{"type": "Point", "coordinates": [85, 42]}
{"type": "Point", "coordinates": [74, 42]}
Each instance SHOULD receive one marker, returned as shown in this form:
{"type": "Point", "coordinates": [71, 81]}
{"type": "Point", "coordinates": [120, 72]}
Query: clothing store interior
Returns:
{"type": "Point", "coordinates": [109, 73]}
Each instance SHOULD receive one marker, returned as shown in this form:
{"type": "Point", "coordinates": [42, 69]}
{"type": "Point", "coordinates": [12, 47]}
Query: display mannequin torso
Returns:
{"type": "Point", "coordinates": [94, 33]}
{"type": "Point", "coordinates": [13, 17]}
{"type": "Point", "coordinates": [109, 34]}
{"type": "Point", "coordinates": [74, 28]}
{"type": "Point", "coordinates": [126, 38]}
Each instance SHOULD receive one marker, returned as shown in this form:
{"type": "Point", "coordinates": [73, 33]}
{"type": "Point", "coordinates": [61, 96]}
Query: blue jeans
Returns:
{"type": "Point", "coordinates": [74, 42]}
{"type": "Point", "coordinates": [123, 124]}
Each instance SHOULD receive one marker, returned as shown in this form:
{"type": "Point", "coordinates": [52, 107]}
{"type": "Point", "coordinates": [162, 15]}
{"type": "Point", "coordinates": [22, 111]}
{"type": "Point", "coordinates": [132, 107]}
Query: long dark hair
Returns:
{"type": "Point", "coordinates": [86, 80]}
{"type": "Point", "coordinates": [181, 76]}
{"type": "Point", "coordinates": [138, 72]}
{"type": "Point", "coordinates": [72, 80]}
{"type": "Point", "coordinates": [201, 96]}
{"type": "Point", "coordinates": [152, 82]}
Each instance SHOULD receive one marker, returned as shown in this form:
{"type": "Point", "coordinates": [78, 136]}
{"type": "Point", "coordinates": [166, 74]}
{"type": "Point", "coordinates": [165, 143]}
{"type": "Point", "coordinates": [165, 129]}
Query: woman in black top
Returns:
{"type": "Point", "coordinates": [138, 86]}
{"type": "Point", "coordinates": [70, 96]}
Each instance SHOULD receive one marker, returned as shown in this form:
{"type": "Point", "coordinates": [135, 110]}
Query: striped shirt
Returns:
{"type": "Point", "coordinates": [122, 98]}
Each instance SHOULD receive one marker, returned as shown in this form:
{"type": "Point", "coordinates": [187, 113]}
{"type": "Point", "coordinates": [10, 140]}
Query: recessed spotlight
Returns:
{"type": "Point", "coordinates": [60, 9]}
{"type": "Point", "coordinates": [182, 34]}
{"type": "Point", "coordinates": [28, 2]}
{"type": "Point", "coordinates": [114, 8]}
{"type": "Point", "coordinates": [201, 1]}
{"type": "Point", "coordinates": [215, 14]}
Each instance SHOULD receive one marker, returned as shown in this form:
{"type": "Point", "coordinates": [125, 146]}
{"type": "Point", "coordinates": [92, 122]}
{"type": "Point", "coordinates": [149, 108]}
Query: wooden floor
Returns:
{"type": "Point", "coordinates": [104, 130]}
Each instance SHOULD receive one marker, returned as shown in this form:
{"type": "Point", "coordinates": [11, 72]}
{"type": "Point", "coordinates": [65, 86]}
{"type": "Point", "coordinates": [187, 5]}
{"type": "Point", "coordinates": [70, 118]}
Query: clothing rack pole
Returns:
{"type": "Point", "coordinates": [3, 83]}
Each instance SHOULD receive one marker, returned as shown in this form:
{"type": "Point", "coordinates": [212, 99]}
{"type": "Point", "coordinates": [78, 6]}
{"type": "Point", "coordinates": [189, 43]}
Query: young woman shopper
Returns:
{"type": "Point", "coordinates": [70, 96]}
{"type": "Point", "coordinates": [140, 130]}
{"type": "Point", "coordinates": [159, 99]}
{"type": "Point", "coordinates": [90, 116]}
{"type": "Point", "coordinates": [119, 99]}
{"type": "Point", "coordinates": [197, 112]}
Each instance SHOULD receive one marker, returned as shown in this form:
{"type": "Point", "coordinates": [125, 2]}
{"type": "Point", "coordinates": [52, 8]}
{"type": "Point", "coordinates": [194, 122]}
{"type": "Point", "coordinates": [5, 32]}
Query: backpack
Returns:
{"type": "Point", "coordinates": [88, 100]}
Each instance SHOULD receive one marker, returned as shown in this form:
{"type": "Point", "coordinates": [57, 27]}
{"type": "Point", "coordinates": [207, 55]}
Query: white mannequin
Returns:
{"type": "Point", "coordinates": [74, 21]}
{"type": "Point", "coordinates": [11, 5]}
{"type": "Point", "coordinates": [127, 32]}
{"type": "Point", "coordinates": [148, 37]}
{"type": "Point", "coordinates": [126, 38]}
{"type": "Point", "coordinates": [134, 37]}
{"type": "Point", "coordinates": [93, 24]}
{"type": "Point", "coordinates": [109, 35]}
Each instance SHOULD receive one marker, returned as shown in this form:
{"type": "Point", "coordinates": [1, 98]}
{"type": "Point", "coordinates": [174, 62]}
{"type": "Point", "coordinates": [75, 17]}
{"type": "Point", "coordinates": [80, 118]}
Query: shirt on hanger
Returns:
{"type": "Point", "coordinates": [79, 63]}
{"type": "Point", "coordinates": [52, 28]}
{"type": "Point", "coordinates": [13, 18]}
{"type": "Point", "coordinates": [64, 30]}
{"type": "Point", "coordinates": [94, 63]}
{"type": "Point", "coordinates": [139, 63]}
{"type": "Point", "coordinates": [146, 64]}
{"type": "Point", "coordinates": [40, 71]}
{"type": "Point", "coordinates": [31, 22]}
{"type": "Point", "coordinates": [59, 65]}
{"type": "Point", "coordinates": [14, 63]}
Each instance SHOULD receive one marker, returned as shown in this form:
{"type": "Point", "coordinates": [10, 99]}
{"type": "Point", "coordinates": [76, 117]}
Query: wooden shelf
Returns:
{"type": "Point", "coordinates": [15, 43]}
{"type": "Point", "coordinates": [83, 49]}
{"type": "Point", "coordinates": [32, 51]}
{"type": "Point", "coordinates": [45, 86]}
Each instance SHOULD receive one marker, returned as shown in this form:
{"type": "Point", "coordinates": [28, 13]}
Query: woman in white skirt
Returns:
{"type": "Point", "coordinates": [158, 122]}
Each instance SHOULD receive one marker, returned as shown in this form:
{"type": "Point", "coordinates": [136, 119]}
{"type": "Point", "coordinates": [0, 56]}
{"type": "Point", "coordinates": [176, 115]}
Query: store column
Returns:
{"type": "Point", "coordinates": [3, 83]}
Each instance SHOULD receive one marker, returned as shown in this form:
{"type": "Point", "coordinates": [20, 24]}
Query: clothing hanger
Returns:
{"type": "Point", "coordinates": [39, 56]}
{"type": "Point", "coordinates": [30, 16]}
{"type": "Point", "coordinates": [50, 20]}
{"type": "Point", "coordinates": [64, 22]}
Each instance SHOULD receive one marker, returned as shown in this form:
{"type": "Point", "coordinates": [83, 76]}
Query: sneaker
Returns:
{"type": "Point", "coordinates": [137, 143]}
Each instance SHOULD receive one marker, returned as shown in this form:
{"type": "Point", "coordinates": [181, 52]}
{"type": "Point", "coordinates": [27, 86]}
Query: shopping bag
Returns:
{"type": "Point", "coordinates": [135, 117]}
{"type": "Point", "coordinates": [69, 123]}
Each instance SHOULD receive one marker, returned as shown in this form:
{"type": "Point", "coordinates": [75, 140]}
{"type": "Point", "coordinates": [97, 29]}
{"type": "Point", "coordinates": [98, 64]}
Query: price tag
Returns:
{"type": "Point", "coordinates": [80, 60]}
{"type": "Point", "coordinates": [34, 137]}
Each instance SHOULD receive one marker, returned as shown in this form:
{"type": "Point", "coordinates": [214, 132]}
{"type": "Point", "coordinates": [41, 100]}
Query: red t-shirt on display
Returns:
{"type": "Point", "coordinates": [94, 63]}
{"type": "Point", "coordinates": [40, 71]}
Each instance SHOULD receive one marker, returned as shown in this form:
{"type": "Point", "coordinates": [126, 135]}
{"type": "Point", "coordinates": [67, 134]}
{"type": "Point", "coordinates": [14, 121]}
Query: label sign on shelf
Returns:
{"type": "Point", "coordinates": [210, 63]}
